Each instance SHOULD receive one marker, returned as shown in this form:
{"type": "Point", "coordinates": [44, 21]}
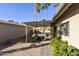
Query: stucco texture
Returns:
{"type": "Point", "coordinates": [71, 15]}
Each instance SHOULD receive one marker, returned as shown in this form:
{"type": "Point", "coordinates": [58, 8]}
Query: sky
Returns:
{"type": "Point", "coordinates": [23, 12]}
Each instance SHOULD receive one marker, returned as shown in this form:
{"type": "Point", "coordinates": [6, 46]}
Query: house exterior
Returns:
{"type": "Point", "coordinates": [42, 26]}
{"type": "Point", "coordinates": [66, 21]}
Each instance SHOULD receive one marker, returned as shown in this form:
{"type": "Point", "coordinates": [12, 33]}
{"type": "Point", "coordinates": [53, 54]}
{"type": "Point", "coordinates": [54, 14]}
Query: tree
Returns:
{"type": "Point", "coordinates": [11, 21]}
{"type": "Point", "coordinates": [56, 4]}
{"type": "Point", "coordinates": [45, 6]}
{"type": "Point", "coordinates": [37, 9]}
{"type": "Point", "coordinates": [41, 6]}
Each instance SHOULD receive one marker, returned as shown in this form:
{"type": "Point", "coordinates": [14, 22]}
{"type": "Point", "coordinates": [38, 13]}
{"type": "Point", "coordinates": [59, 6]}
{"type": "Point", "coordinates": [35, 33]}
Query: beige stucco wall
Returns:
{"type": "Point", "coordinates": [10, 32]}
{"type": "Point", "coordinates": [74, 30]}
{"type": "Point", "coordinates": [71, 15]}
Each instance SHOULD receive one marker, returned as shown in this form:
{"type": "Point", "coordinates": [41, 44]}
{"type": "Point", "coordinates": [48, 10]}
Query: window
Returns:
{"type": "Point", "coordinates": [65, 28]}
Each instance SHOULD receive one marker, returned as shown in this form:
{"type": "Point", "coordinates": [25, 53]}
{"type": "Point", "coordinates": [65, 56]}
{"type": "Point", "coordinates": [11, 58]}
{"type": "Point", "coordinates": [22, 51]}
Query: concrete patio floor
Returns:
{"type": "Point", "coordinates": [24, 49]}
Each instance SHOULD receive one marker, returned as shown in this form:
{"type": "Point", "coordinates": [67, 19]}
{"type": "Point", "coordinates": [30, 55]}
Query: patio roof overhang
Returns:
{"type": "Point", "coordinates": [62, 8]}
{"type": "Point", "coordinates": [38, 23]}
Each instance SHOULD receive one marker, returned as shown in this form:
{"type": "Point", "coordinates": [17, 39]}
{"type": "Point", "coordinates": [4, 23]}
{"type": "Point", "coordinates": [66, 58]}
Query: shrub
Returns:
{"type": "Point", "coordinates": [61, 48]}
{"type": "Point", "coordinates": [72, 51]}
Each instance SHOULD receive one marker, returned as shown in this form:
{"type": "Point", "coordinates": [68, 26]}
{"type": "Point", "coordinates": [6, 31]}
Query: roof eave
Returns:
{"type": "Point", "coordinates": [62, 8]}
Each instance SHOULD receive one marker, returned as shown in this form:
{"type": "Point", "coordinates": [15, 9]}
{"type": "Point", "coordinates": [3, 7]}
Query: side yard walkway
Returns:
{"type": "Point", "coordinates": [45, 50]}
{"type": "Point", "coordinates": [23, 49]}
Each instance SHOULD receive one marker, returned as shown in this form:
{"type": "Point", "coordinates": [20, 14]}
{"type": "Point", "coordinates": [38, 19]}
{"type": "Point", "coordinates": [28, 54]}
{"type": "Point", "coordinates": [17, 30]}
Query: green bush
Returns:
{"type": "Point", "coordinates": [72, 51]}
{"type": "Point", "coordinates": [61, 48]}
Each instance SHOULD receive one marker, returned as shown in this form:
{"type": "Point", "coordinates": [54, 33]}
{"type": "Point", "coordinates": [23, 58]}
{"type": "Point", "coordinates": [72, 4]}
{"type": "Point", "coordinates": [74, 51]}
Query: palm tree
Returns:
{"type": "Point", "coordinates": [45, 6]}
{"type": "Point", "coordinates": [37, 9]}
{"type": "Point", "coordinates": [41, 6]}
{"type": "Point", "coordinates": [56, 4]}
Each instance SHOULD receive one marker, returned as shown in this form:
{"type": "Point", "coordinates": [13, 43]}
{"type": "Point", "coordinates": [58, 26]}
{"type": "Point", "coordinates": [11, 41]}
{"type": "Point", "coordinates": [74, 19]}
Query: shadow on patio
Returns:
{"type": "Point", "coordinates": [11, 43]}
{"type": "Point", "coordinates": [21, 49]}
